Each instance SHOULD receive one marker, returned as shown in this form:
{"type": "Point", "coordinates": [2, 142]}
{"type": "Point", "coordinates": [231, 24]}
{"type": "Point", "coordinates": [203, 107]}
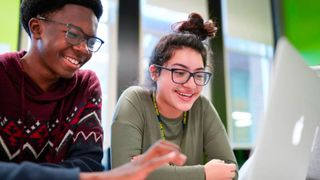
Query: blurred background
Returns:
{"type": "Point", "coordinates": [242, 56]}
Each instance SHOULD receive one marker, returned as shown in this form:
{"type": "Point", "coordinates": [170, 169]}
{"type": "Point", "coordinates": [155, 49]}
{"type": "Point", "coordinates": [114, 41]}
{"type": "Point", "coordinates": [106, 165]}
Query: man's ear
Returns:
{"type": "Point", "coordinates": [153, 72]}
{"type": "Point", "coordinates": [35, 28]}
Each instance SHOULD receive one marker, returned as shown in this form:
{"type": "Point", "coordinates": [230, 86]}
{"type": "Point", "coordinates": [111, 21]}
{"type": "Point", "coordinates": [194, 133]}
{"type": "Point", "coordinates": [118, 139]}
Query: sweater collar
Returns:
{"type": "Point", "coordinates": [23, 82]}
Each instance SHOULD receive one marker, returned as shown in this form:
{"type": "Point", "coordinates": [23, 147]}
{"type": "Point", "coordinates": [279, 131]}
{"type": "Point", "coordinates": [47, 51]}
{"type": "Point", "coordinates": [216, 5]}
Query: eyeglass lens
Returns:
{"type": "Point", "coordinates": [181, 76]}
{"type": "Point", "coordinates": [75, 36]}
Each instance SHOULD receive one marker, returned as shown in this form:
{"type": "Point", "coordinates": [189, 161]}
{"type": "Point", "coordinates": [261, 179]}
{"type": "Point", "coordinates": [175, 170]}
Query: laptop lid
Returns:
{"type": "Point", "coordinates": [291, 119]}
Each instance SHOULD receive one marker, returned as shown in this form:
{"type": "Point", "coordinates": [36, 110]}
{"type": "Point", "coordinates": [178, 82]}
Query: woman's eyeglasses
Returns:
{"type": "Point", "coordinates": [181, 76]}
{"type": "Point", "coordinates": [74, 35]}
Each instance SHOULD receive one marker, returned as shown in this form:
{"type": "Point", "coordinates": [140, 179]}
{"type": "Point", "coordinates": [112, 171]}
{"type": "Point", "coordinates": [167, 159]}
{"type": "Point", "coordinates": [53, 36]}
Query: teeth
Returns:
{"type": "Point", "coordinates": [187, 95]}
{"type": "Point", "coordinates": [73, 61]}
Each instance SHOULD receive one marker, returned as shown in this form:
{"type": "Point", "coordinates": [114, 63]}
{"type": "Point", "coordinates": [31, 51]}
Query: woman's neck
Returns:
{"type": "Point", "coordinates": [166, 110]}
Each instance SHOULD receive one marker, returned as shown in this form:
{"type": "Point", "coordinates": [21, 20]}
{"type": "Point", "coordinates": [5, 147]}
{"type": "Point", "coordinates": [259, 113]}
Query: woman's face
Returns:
{"type": "Point", "coordinates": [172, 98]}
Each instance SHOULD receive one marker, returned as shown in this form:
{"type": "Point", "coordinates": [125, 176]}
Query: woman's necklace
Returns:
{"type": "Point", "coordinates": [184, 122]}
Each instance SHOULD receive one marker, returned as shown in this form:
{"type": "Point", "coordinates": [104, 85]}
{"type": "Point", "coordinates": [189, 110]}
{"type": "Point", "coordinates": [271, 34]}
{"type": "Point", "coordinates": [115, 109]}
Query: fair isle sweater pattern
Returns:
{"type": "Point", "coordinates": [10, 128]}
{"type": "Point", "coordinates": [60, 127]}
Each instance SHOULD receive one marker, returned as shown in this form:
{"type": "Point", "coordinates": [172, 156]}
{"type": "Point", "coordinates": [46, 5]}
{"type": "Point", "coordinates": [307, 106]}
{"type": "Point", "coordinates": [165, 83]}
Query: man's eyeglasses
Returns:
{"type": "Point", "coordinates": [181, 76]}
{"type": "Point", "coordinates": [75, 36]}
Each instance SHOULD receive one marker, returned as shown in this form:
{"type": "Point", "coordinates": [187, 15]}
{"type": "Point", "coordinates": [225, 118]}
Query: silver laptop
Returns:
{"type": "Point", "coordinates": [290, 124]}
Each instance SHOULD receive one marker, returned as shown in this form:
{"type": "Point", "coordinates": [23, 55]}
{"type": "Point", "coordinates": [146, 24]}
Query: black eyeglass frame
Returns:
{"type": "Point", "coordinates": [85, 37]}
{"type": "Point", "coordinates": [191, 74]}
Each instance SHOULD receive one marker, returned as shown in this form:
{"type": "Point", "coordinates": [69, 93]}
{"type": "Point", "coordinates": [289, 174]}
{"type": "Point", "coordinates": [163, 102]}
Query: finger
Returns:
{"type": "Point", "coordinates": [232, 167]}
{"type": "Point", "coordinates": [218, 161]}
{"type": "Point", "coordinates": [232, 175]}
{"type": "Point", "coordinates": [168, 145]}
{"type": "Point", "coordinates": [179, 159]}
{"type": "Point", "coordinates": [161, 160]}
{"type": "Point", "coordinates": [161, 148]}
{"type": "Point", "coordinates": [134, 158]}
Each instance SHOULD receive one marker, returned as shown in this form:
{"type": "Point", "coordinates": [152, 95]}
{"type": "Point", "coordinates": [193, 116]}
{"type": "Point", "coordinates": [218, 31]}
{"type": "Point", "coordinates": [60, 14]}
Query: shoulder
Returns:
{"type": "Point", "coordinates": [10, 65]}
{"type": "Point", "coordinates": [86, 74]}
{"type": "Point", "coordinates": [202, 101]}
{"type": "Point", "coordinates": [135, 91]}
{"type": "Point", "coordinates": [8, 57]}
{"type": "Point", "coordinates": [11, 55]}
{"type": "Point", "coordinates": [87, 79]}
{"type": "Point", "coordinates": [135, 95]}
{"type": "Point", "coordinates": [133, 103]}
{"type": "Point", "coordinates": [205, 107]}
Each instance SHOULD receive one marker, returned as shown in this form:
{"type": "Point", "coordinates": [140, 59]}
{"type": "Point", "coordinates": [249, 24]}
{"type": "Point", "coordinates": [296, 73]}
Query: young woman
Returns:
{"type": "Point", "coordinates": [175, 110]}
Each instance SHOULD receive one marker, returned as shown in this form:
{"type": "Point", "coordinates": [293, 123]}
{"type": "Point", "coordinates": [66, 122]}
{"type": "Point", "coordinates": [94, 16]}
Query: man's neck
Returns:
{"type": "Point", "coordinates": [36, 73]}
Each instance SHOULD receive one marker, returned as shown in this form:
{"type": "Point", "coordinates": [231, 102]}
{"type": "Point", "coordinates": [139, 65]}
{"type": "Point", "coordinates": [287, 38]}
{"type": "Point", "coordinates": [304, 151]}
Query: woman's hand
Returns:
{"type": "Point", "coordinates": [219, 170]}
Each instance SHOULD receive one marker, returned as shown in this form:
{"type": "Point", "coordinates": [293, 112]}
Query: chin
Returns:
{"type": "Point", "coordinates": [185, 108]}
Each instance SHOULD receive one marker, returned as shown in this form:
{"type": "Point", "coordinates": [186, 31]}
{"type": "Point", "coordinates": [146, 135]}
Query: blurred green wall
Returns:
{"type": "Point", "coordinates": [9, 19]}
{"type": "Point", "coordinates": [302, 27]}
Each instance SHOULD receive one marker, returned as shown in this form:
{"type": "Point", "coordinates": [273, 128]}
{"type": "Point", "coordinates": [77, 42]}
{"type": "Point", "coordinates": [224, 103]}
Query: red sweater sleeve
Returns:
{"type": "Point", "coordinates": [86, 151]}
{"type": "Point", "coordinates": [12, 171]}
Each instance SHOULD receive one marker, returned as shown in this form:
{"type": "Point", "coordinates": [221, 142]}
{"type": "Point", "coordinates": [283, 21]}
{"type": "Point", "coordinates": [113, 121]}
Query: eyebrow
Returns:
{"type": "Point", "coordinates": [65, 24]}
{"type": "Point", "coordinates": [185, 67]}
{"type": "Point", "coordinates": [81, 30]}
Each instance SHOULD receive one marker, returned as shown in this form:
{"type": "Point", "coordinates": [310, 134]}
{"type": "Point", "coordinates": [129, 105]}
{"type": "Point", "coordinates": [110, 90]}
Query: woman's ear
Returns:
{"type": "Point", "coordinates": [153, 72]}
{"type": "Point", "coordinates": [35, 28]}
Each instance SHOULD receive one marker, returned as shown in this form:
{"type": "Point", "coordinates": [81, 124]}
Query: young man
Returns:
{"type": "Point", "coordinates": [49, 109]}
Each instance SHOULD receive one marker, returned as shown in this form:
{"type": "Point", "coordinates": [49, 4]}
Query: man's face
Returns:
{"type": "Point", "coordinates": [57, 55]}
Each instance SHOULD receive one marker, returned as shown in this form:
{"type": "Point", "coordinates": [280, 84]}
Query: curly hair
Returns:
{"type": "Point", "coordinates": [190, 33]}
{"type": "Point", "coordinates": [31, 8]}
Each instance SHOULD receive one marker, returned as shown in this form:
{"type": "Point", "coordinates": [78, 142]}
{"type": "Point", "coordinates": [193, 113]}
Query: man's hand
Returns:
{"type": "Point", "coordinates": [161, 153]}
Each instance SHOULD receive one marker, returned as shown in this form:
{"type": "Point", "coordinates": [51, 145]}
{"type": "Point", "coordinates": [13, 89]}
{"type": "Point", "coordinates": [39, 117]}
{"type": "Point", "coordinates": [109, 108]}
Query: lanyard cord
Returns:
{"type": "Point", "coordinates": [184, 122]}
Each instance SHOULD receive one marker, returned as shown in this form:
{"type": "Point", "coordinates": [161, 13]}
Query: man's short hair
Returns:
{"type": "Point", "coordinates": [32, 8]}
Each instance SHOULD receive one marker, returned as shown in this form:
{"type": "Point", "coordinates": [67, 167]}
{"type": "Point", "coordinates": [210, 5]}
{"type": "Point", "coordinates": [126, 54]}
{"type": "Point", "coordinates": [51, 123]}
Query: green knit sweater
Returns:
{"type": "Point", "coordinates": [135, 128]}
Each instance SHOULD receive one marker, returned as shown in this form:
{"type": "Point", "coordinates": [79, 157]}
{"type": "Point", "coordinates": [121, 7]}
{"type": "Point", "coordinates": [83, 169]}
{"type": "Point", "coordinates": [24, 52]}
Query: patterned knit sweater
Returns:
{"type": "Point", "coordinates": [60, 127]}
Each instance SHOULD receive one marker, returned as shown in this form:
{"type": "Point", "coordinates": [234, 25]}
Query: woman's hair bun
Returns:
{"type": "Point", "coordinates": [196, 25]}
